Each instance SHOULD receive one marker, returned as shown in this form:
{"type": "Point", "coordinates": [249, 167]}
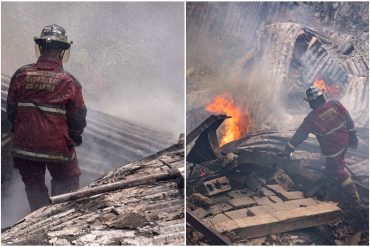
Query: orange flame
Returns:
{"type": "Point", "coordinates": [236, 126]}
{"type": "Point", "coordinates": [330, 90]}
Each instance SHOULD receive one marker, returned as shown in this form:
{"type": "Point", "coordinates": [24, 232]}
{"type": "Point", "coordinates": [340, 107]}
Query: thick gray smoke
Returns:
{"type": "Point", "coordinates": [129, 57]}
{"type": "Point", "coordinates": [232, 47]}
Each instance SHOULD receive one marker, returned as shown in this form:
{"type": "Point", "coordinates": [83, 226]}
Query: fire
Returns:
{"type": "Point", "coordinates": [332, 90]}
{"type": "Point", "coordinates": [236, 126]}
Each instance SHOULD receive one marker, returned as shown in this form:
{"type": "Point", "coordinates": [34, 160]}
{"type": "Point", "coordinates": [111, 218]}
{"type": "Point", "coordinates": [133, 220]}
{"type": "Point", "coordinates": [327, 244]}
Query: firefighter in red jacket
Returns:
{"type": "Point", "coordinates": [333, 127]}
{"type": "Point", "coordinates": [48, 115]}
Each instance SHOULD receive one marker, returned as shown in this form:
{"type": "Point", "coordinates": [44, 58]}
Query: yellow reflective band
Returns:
{"type": "Point", "coordinates": [290, 145]}
{"type": "Point", "coordinates": [45, 156]}
{"type": "Point", "coordinates": [334, 155]}
{"type": "Point", "coordinates": [348, 181]}
{"type": "Point", "coordinates": [337, 128]}
{"type": "Point", "coordinates": [43, 108]}
{"type": "Point", "coordinates": [357, 195]}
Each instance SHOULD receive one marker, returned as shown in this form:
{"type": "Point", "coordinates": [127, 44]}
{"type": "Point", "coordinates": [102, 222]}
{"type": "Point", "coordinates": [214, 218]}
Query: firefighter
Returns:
{"type": "Point", "coordinates": [47, 112]}
{"type": "Point", "coordinates": [333, 127]}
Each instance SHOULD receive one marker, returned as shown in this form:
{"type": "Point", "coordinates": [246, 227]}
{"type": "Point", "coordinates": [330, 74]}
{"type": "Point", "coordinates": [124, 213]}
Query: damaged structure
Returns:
{"type": "Point", "coordinates": [147, 210]}
{"type": "Point", "coordinates": [108, 143]}
{"type": "Point", "coordinates": [245, 193]}
{"type": "Point", "coordinates": [263, 56]}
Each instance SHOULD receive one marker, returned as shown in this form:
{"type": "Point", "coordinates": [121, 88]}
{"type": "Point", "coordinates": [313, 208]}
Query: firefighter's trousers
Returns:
{"type": "Point", "coordinates": [65, 178]}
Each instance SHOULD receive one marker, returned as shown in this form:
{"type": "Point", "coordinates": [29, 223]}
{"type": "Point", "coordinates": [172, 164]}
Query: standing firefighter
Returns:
{"type": "Point", "coordinates": [48, 115]}
{"type": "Point", "coordinates": [333, 127]}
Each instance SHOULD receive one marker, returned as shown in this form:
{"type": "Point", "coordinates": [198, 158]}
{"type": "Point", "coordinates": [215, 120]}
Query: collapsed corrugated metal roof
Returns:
{"type": "Point", "coordinates": [148, 214]}
{"type": "Point", "coordinates": [249, 49]}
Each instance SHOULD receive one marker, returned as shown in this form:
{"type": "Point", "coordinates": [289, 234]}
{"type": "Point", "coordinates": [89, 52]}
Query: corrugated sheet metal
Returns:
{"type": "Point", "coordinates": [108, 141]}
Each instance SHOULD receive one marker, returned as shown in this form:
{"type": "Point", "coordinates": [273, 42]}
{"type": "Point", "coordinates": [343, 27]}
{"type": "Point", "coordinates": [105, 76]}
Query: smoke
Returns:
{"type": "Point", "coordinates": [232, 47]}
{"type": "Point", "coordinates": [128, 56]}
{"type": "Point", "coordinates": [222, 57]}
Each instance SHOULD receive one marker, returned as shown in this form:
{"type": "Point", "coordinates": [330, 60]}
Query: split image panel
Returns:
{"type": "Point", "coordinates": [277, 123]}
{"type": "Point", "coordinates": [270, 100]}
{"type": "Point", "coordinates": [126, 67]}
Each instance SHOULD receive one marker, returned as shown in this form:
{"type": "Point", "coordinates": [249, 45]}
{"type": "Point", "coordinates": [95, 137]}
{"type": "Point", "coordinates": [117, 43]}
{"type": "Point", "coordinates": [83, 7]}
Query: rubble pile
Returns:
{"type": "Point", "coordinates": [147, 214]}
{"type": "Point", "coordinates": [238, 204]}
{"type": "Point", "coordinates": [250, 195]}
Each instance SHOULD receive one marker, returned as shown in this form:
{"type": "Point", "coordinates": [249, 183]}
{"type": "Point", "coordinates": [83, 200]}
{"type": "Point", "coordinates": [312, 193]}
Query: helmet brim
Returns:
{"type": "Point", "coordinates": [49, 40]}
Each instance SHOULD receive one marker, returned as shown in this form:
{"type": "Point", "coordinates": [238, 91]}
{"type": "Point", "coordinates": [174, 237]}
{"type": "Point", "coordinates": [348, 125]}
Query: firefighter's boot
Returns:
{"type": "Point", "coordinates": [350, 187]}
{"type": "Point", "coordinates": [37, 196]}
{"type": "Point", "coordinates": [64, 185]}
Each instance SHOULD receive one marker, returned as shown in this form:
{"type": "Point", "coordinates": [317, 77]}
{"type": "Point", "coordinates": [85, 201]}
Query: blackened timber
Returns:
{"type": "Point", "coordinates": [206, 147]}
{"type": "Point", "coordinates": [205, 125]}
{"type": "Point", "coordinates": [212, 235]}
{"type": "Point", "coordinates": [171, 173]}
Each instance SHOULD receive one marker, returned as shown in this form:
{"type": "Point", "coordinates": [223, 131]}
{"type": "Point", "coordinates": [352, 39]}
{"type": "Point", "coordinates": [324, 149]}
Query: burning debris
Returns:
{"type": "Point", "coordinates": [249, 195]}
{"type": "Point", "coordinates": [331, 91]}
{"type": "Point", "coordinates": [239, 123]}
{"type": "Point", "coordinates": [148, 210]}
{"type": "Point", "coordinates": [266, 55]}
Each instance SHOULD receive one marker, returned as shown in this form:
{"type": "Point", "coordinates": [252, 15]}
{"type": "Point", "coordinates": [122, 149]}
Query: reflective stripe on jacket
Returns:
{"type": "Point", "coordinates": [330, 122]}
{"type": "Point", "coordinates": [45, 104]}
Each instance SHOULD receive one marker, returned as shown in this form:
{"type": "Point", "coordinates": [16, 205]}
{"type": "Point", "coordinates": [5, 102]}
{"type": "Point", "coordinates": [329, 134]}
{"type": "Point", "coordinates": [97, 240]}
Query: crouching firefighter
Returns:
{"type": "Point", "coordinates": [48, 115]}
{"type": "Point", "coordinates": [334, 129]}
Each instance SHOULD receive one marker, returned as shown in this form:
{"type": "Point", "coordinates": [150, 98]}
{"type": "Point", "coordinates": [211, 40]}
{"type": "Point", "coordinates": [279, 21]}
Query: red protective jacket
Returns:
{"type": "Point", "coordinates": [331, 123]}
{"type": "Point", "coordinates": [47, 110]}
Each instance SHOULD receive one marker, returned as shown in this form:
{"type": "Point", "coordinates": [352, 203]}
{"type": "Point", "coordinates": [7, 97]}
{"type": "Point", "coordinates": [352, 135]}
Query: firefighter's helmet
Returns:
{"type": "Point", "coordinates": [312, 93]}
{"type": "Point", "coordinates": [54, 36]}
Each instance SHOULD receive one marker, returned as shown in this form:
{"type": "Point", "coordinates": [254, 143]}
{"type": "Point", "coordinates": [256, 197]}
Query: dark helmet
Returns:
{"type": "Point", "coordinates": [315, 97]}
{"type": "Point", "coordinates": [53, 36]}
{"type": "Point", "coordinates": [312, 93]}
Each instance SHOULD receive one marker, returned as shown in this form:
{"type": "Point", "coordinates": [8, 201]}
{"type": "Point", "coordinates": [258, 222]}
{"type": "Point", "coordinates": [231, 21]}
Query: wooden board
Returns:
{"type": "Point", "coordinates": [267, 192]}
{"type": "Point", "coordinates": [219, 207]}
{"type": "Point", "coordinates": [234, 194]}
{"type": "Point", "coordinates": [217, 219]}
{"type": "Point", "coordinates": [281, 206]}
{"type": "Point", "coordinates": [262, 200]}
{"type": "Point", "coordinates": [275, 199]}
{"type": "Point", "coordinates": [237, 214]}
{"type": "Point", "coordinates": [283, 194]}
{"type": "Point", "coordinates": [242, 201]}
{"type": "Point", "coordinates": [282, 220]}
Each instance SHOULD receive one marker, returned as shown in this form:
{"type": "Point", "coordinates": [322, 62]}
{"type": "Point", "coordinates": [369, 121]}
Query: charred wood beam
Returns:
{"type": "Point", "coordinates": [171, 173]}
{"type": "Point", "coordinates": [206, 147]}
{"type": "Point", "coordinates": [205, 125]}
{"type": "Point", "coordinates": [212, 235]}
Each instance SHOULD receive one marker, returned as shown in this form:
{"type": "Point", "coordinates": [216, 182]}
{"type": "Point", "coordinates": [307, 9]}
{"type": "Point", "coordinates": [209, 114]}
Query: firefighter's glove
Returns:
{"type": "Point", "coordinates": [76, 137]}
{"type": "Point", "coordinates": [353, 141]}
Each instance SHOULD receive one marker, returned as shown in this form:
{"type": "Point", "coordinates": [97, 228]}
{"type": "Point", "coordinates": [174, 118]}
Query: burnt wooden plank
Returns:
{"type": "Point", "coordinates": [262, 200]}
{"type": "Point", "coordinates": [283, 194]}
{"type": "Point", "coordinates": [275, 199]}
{"type": "Point", "coordinates": [243, 201]}
{"type": "Point", "coordinates": [212, 235]}
{"type": "Point", "coordinates": [282, 221]}
{"type": "Point", "coordinates": [214, 220]}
